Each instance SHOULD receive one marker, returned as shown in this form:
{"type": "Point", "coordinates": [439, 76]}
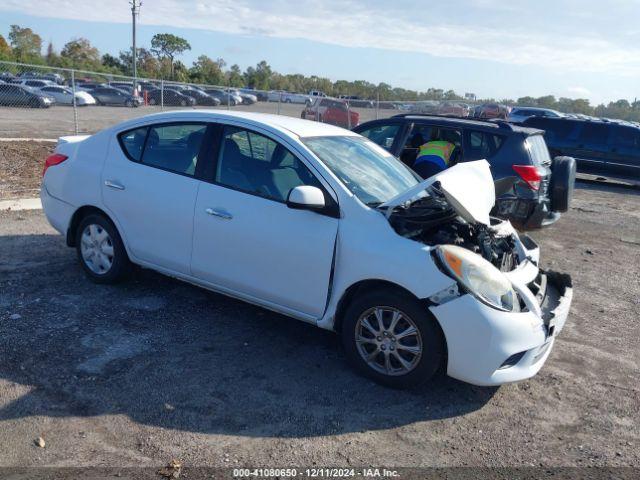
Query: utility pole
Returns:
{"type": "Point", "coordinates": [135, 10]}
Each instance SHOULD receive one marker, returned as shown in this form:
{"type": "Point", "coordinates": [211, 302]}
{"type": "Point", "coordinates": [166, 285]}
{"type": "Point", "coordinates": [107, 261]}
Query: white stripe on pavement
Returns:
{"type": "Point", "coordinates": [21, 204]}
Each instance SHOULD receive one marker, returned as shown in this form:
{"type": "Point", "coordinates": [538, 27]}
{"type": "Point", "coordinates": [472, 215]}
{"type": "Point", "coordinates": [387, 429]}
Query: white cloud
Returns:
{"type": "Point", "coordinates": [582, 91]}
{"type": "Point", "coordinates": [356, 23]}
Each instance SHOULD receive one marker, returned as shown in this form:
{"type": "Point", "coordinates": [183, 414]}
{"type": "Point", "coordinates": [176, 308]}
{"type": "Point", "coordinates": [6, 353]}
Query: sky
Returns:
{"type": "Point", "coordinates": [501, 49]}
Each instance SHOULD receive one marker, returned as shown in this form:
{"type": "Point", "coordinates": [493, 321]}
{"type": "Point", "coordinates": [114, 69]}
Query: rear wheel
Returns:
{"type": "Point", "coordinates": [183, 103]}
{"type": "Point", "coordinates": [101, 251]}
{"type": "Point", "coordinates": [129, 103]}
{"type": "Point", "coordinates": [152, 101]}
{"type": "Point", "coordinates": [390, 337]}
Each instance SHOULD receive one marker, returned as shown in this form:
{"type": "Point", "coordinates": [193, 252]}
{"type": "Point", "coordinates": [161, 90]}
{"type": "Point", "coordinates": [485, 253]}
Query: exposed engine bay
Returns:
{"type": "Point", "coordinates": [432, 221]}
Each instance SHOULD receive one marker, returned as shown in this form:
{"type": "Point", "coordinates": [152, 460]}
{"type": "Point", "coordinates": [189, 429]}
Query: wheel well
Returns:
{"type": "Point", "coordinates": [368, 285]}
{"type": "Point", "coordinates": [78, 215]}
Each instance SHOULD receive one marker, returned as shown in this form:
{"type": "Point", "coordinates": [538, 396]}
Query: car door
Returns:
{"type": "Point", "coordinates": [624, 158]}
{"type": "Point", "coordinates": [149, 185]}
{"type": "Point", "coordinates": [247, 241]}
{"type": "Point", "coordinates": [590, 148]}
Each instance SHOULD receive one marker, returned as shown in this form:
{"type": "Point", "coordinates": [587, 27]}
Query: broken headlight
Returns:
{"type": "Point", "coordinates": [479, 277]}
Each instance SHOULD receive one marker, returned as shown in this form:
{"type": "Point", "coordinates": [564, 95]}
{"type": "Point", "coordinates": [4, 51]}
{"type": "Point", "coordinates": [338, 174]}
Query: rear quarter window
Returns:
{"type": "Point", "coordinates": [538, 151]}
{"type": "Point", "coordinates": [481, 145]}
{"type": "Point", "coordinates": [132, 143]}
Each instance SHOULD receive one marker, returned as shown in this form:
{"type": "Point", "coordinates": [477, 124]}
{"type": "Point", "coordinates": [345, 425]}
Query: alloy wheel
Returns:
{"type": "Point", "coordinates": [388, 340]}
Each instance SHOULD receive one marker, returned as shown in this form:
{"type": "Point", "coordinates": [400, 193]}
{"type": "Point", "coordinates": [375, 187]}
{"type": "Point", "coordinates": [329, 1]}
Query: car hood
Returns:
{"type": "Point", "coordinates": [468, 187]}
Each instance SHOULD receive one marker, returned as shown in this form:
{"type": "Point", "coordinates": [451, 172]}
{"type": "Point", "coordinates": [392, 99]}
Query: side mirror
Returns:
{"type": "Point", "coordinates": [306, 197]}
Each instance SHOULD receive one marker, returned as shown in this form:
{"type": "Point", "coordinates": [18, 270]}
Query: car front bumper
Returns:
{"type": "Point", "coordinates": [486, 346]}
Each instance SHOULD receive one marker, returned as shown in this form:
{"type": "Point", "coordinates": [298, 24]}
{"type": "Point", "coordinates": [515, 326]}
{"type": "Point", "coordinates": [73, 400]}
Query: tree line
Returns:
{"type": "Point", "coordinates": [161, 60]}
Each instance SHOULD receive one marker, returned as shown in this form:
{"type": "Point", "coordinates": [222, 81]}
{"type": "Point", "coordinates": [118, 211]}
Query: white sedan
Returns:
{"type": "Point", "coordinates": [320, 224]}
{"type": "Point", "coordinates": [64, 95]}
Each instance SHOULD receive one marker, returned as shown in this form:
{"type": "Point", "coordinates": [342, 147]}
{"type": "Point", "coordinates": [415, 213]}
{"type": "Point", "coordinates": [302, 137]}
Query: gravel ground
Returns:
{"type": "Point", "coordinates": [59, 120]}
{"type": "Point", "coordinates": [155, 369]}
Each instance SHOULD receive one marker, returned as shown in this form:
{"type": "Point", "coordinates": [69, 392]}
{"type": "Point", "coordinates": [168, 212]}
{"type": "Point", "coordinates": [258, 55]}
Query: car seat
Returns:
{"type": "Point", "coordinates": [230, 168]}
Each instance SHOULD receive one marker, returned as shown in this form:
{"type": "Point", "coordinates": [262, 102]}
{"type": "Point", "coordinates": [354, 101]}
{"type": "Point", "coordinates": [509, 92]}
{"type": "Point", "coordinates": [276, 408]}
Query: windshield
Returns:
{"type": "Point", "coordinates": [371, 173]}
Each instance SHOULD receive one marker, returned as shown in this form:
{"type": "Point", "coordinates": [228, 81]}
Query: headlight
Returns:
{"type": "Point", "coordinates": [479, 277]}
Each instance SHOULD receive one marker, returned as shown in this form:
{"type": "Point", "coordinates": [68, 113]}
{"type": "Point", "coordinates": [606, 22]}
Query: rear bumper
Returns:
{"type": "Point", "coordinates": [58, 213]}
{"type": "Point", "coordinates": [486, 346]}
{"type": "Point", "coordinates": [527, 214]}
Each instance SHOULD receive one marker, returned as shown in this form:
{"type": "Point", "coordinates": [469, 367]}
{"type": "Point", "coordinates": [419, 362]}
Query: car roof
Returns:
{"type": "Point", "coordinates": [290, 126]}
{"type": "Point", "coordinates": [450, 121]}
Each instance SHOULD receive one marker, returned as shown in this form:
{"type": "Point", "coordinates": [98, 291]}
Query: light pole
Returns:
{"type": "Point", "coordinates": [135, 10]}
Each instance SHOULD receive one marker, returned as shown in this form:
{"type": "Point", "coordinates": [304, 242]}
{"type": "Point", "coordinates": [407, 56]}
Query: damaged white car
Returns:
{"type": "Point", "coordinates": [320, 224]}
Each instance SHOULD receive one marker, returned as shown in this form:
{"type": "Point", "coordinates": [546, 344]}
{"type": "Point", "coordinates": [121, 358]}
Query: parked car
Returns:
{"type": "Point", "coordinates": [491, 110]}
{"type": "Point", "coordinates": [520, 114]}
{"type": "Point", "coordinates": [247, 98]}
{"type": "Point", "coordinates": [201, 98]}
{"type": "Point", "coordinates": [425, 106]}
{"type": "Point", "coordinates": [64, 95]}
{"type": "Point", "coordinates": [14, 95]}
{"type": "Point", "coordinates": [317, 93]}
{"type": "Point", "coordinates": [115, 96]}
{"type": "Point", "coordinates": [320, 224]}
{"type": "Point", "coordinates": [288, 97]}
{"type": "Point", "coordinates": [599, 147]}
{"type": "Point", "coordinates": [331, 110]}
{"type": "Point", "coordinates": [356, 101]}
{"type": "Point", "coordinates": [169, 97]}
{"type": "Point", "coordinates": [35, 83]}
{"type": "Point", "coordinates": [52, 77]}
{"type": "Point", "coordinates": [537, 189]}
{"type": "Point", "coordinates": [7, 77]}
{"type": "Point", "coordinates": [88, 86]}
{"type": "Point", "coordinates": [225, 97]}
{"type": "Point", "coordinates": [454, 109]}
{"type": "Point", "coordinates": [261, 96]}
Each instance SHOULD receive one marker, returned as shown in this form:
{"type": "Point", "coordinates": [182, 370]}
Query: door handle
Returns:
{"type": "Point", "coordinates": [218, 213]}
{"type": "Point", "coordinates": [112, 184]}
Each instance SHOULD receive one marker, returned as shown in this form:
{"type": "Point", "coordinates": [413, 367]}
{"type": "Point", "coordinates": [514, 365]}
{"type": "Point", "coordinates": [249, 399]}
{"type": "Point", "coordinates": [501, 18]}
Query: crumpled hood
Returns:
{"type": "Point", "coordinates": [468, 188]}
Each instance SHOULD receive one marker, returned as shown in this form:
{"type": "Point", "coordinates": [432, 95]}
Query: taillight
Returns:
{"type": "Point", "coordinates": [530, 175]}
{"type": "Point", "coordinates": [52, 160]}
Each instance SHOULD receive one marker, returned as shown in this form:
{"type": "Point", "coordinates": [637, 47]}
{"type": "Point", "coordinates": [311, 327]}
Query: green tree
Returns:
{"type": "Point", "coordinates": [548, 101]}
{"type": "Point", "coordinates": [234, 76]}
{"type": "Point", "coordinates": [148, 64]}
{"type": "Point", "coordinates": [206, 70]}
{"type": "Point", "coordinates": [5, 49]}
{"type": "Point", "coordinates": [79, 53]}
{"type": "Point", "coordinates": [26, 44]}
{"type": "Point", "coordinates": [166, 46]}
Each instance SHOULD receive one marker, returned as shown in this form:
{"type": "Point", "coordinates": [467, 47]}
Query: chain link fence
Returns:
{"type": "Point", "coordinates": [46, 102]}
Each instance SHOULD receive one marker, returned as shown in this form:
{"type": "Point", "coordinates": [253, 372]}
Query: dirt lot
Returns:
{"type": "Point", "coordinates": [154, 369]}
{"type": "Point", "coordinates": [21, 168]}
{"type": "Point", "coordinates": [59, 120]}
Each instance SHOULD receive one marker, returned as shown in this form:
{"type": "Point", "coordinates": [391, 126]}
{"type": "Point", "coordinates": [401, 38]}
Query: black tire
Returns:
{"type": "Point", "coordinates": [183, 103]}
{"type": "Point", "coordinates": [433, 343]}
{"type": "Point", "coordinates": [129, 103]}
{"type": "Point", "coordinates": [120, 266]}
{"type": "Point", "coordinates": [563, 178]}
{"type": "Point", "coordinates": [152, 101]}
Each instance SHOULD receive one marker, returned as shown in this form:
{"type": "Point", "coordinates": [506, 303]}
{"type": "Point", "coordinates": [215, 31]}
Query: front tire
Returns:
{"type": "Point", "coordinates": [101, 251]}
{"type": "Point", "coordinates": [391, 338]}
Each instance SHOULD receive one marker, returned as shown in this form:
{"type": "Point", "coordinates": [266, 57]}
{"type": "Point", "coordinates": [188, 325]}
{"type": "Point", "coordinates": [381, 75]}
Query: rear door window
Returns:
{"type": "Point", "coordinates": [481, 145]}
{"type": "Point", "coordinates": [174, 147]}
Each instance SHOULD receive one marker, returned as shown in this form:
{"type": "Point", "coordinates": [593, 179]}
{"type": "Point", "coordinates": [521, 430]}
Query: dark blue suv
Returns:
{"type": "Point", "coordinates": [600, 147]}
{"type": "Point", "coordinates": [532, 189]}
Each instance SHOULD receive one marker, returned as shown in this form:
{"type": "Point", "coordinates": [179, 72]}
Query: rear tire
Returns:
{"type": "Point", "coordinates": [390, 337]}
{"type": "Point", "coordinates": [100, 250]}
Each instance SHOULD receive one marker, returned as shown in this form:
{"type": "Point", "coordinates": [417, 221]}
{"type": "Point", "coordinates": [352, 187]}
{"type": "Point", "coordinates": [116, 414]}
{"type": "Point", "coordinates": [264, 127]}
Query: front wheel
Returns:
{"type": "Point", "coordinates": [391, 338]}
{"type": "Point", "coordinates": [101, 251]}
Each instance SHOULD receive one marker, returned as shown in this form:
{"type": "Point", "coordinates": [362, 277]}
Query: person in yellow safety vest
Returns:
{"type": "Point", "coordinates": [433, 157]}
